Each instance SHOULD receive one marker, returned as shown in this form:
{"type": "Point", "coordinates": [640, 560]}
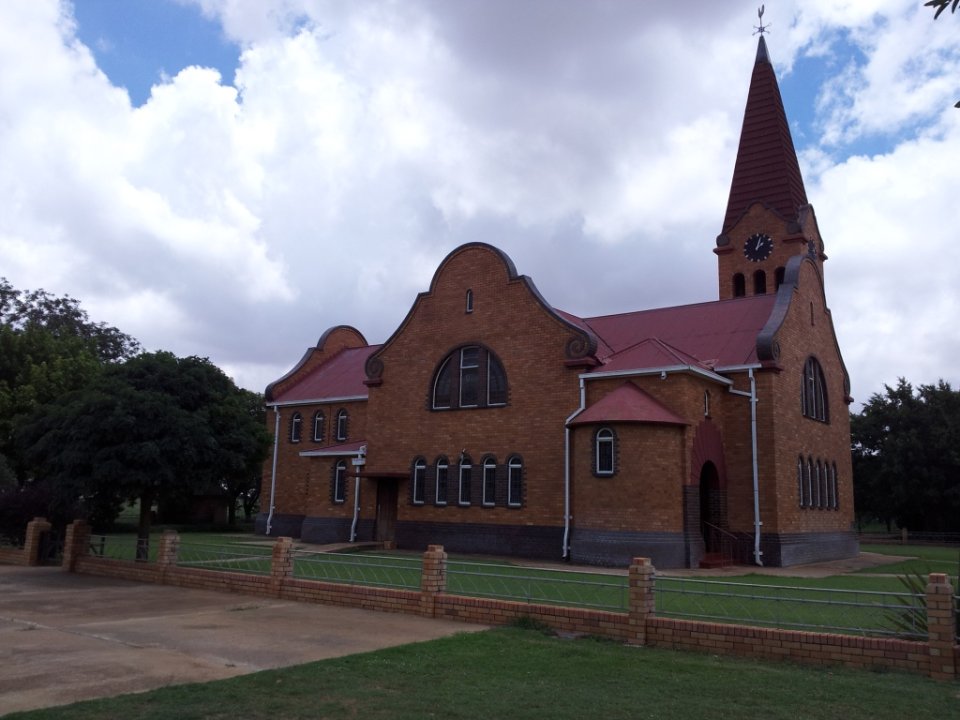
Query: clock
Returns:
{"type": "Point", "coordinates": [758, 247]}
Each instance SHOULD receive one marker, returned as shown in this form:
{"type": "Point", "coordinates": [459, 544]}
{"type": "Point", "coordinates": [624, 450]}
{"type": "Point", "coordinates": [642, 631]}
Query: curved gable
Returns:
{"type": "Point", "coordinates": [332, 341]}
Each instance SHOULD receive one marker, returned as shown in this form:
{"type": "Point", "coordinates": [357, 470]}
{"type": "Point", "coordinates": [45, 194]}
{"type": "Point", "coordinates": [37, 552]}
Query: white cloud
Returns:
{"type": "Point", "coordinates": [593, 142]}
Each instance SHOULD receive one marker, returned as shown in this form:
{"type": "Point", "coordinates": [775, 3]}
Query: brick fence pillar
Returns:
{"type": "Point", "coordinates": [433, 580]}
{"type": "Point", "coordinates": [281, 564]}
{"type": "Point", "coordinates": [941, 627]}
{"type": "Point", "coordinates": [641, 577]}
{"type": "Point", "coordinates": [76, 544]}
{"type": "Point", "coordinates": [169, 546]}
{"type": "Point", "coordinates": [31, 546]}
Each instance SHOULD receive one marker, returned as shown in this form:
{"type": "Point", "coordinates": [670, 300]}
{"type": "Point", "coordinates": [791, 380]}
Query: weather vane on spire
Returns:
{"type": "Point", "coordinates": [761, 28]}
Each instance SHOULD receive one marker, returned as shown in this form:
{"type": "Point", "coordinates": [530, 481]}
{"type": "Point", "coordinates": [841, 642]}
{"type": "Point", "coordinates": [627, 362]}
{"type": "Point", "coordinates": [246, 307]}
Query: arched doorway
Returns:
{"type": "Point", "coordinates": [712, 510]}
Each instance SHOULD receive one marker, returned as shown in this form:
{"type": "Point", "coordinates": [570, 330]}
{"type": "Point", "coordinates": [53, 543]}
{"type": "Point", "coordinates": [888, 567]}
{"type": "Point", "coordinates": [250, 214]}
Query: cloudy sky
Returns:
{"type": "Point", "coordinates": [229, 178]}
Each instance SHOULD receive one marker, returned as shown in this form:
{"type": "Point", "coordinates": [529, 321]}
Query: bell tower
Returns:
{"type": "Point", "coordinates": [768, 218]}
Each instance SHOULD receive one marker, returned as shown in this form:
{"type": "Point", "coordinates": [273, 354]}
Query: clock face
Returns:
{"type": "Point", "coordinates": [758, 247]}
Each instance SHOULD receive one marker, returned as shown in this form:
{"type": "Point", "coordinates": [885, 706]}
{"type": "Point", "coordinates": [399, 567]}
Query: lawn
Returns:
{"type": "Point", "coordinates": [917, 558]}
{"type": "Point", "coordinates": [522, 673]}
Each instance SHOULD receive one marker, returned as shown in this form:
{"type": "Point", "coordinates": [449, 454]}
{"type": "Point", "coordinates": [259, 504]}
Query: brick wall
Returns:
{"type": "Point", "coordinates": [939, 657]}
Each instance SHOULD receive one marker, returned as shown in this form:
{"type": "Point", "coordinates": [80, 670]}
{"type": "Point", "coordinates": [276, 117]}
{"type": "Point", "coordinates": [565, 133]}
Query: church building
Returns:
{"type": "Point", "coordinates": [492, 422]}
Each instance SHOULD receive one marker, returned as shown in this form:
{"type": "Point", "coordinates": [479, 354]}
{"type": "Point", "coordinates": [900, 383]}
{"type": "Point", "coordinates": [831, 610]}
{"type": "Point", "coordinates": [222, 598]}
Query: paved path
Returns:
{"type": "Point", "coordinates": [66, 637]}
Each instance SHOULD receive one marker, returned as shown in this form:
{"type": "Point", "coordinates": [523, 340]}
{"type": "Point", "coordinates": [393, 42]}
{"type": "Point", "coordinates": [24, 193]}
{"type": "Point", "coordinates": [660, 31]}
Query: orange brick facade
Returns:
{"type": "Point", "coordinates": [679, 434]}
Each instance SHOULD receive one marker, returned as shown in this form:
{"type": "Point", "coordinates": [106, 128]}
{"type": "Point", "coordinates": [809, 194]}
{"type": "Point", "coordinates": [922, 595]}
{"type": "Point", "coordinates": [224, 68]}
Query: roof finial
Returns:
{"type": "Point", "coordinates": [761, 28]}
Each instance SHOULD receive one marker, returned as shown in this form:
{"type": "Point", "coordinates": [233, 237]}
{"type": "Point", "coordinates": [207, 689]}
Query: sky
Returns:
{"type": "Point", "coordinates": [230, 178]}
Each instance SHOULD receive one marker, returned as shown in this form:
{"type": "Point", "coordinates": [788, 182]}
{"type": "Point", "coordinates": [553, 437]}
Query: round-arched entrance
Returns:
{"type": "Point", "coordinates": [712, 508]}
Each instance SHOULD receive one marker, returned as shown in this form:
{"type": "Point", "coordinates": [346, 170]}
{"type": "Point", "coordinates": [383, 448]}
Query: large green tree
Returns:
{"type": "Point", "coordinates": [155, 428]}
{"type": "Point", "coordinates": [906, 457]}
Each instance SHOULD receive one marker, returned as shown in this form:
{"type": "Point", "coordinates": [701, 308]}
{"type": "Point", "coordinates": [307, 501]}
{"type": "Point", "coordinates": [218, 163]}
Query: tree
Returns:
{"type": "Point", "coordinates": [48, 348]}
{"type": "Point", "coordinates": [906, 456]}
{"type": "Point", "coordinates": [239, 426]}
{"type": "Point", "coordinates": [942, 5]}
{"type": "Point", "coordinates": [154, 428]}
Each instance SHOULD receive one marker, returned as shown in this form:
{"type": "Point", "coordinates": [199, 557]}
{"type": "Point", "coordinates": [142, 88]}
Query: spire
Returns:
{"type": "Point", "coordinates": [766, 169]}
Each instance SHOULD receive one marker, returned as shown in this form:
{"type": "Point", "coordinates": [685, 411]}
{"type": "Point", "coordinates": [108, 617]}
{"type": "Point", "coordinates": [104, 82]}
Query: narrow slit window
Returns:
{"type": "Point", "coordinates": [419, 480]}
{"type": "Point", "coordinates": [466, 476]}
{"type": "Point", "coordinates": [515, 482]}
{"type": "Point", "coordinates": [489, 482]}
{"type": "Point", "coordinates": [469, 302]}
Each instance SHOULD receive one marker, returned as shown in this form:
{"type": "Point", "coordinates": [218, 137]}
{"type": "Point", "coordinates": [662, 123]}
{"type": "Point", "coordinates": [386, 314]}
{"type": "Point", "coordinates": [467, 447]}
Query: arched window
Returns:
{"type": "Point", "coordinates": [318, 426]}
{"type": "Point", "coordinates": [813, 397]}
{"type": "Point", "coordinates": [296, 427]}
{"type": "Point", "coordinates": [604, 452]}
{"type": "Point", "coordinates": [739, 285]}
{"type": "Point", "coordinates": [834, 490]}
{"type": "Point", "coordinates": [342, 418]}
{"type": "Point", "coordinates": [817, 501]}
{"type": "Point", "coordinates": [489, 482]}
{"type": "Point", "coordinates": [339, 489]}
{"type": "Point", "coordinates": [809, 480]}
{"type": "Point", "coordinates": [441, 495]}
{"type": "Point", "coordinates": [514, 481]}
{"type": "Point", "coordinates": [759, 283]}
{"type": "Point", "coordinates": [469, 377]}
{"type": "Point", "coordinates": [778, 277]}
{"type": "Point", "coordinates": [800, 480]}
{"type": "Point", "coordinates": [418, 481]}
{"type": "Point", "coordinates": [469, 304]}
{"type": "Point", "coordinates": [466, 476]}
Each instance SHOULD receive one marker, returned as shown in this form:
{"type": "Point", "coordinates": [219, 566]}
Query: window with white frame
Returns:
{"type": "Point", "coordinates": [604, 452]}
{"type": "Point", "coordinates": [419, 481]}
{"type": "Point", "coordinates": [514, 481]}
{"type": "Point", "coordinates": [340, 481]}
{"type": "Point", "coordinates": [466, 476]}
{"type": "Point", "coordinates": [489, 482]}
{"type": "Point", "coordinates": [440, 498]}
{"type": "Point", "coordinates": [469, 377]}
{"type": "Point", "coordinates": [318, 426]}
{"type": "Point", "coordinates": [296, 427]}
{"type": "Point", "coordinates": [813, 397]}
{"type": "Point", "coordinates": [342, 420]}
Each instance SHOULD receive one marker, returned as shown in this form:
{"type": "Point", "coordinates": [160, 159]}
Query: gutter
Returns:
{"type": "Point", "coordinates": [757, 522]}
{"type": "Point", "coordinates": [359, 462]}
{"type": "Point", "coordinates": [566, 468]}
{"type": "Point", "coordinates": [273, 473]}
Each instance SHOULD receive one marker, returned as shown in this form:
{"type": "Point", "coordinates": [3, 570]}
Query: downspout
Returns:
{"type": "Point", "coordinates": [273, 473]}
{"type": "Point", "coordinates": [757, 523]}
{"type": "Point", "coordinates": [566, 470]}
{"type": "Point", "coordinates": [356, 495]}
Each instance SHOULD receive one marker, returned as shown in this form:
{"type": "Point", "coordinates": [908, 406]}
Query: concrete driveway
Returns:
{"type": "Point", "coordinates": [66, 637]}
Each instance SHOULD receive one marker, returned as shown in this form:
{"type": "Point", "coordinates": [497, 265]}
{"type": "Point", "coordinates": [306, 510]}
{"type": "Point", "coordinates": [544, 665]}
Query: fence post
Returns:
{"type": "Point", "coordinates": [433, 580]}
{"type": "Point", "coordinates": [76, 544]}
{"type": "Point", "coordinates": [641, 576]}
{"type": "Point", "coordinates": [169, 546]}
{"type": "Point", "coordinates": [941, 627]}
{"type": "Point", "coordinates": [31, 546]}
{"type": "Point", "coordinates": [281, 564]}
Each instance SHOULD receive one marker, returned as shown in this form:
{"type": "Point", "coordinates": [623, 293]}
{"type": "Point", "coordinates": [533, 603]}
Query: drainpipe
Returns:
{"type": "Point", "coordinates": [361, 455]}
{"type": "Point", "coordinates": [566, 470]}
{"type": "Point", "coordinates": [273, 474]}
{"type": "Point", "coordinates": [757, 523]}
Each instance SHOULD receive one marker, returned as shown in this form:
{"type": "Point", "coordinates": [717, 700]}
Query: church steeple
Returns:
{"type": "Point", "coordinates": [766, 170]}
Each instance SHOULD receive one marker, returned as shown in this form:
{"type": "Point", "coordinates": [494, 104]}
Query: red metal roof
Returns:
{"type": "Point", "coordinates": [713, 334]}
{"type": "Point", "coordinates": [628, 403]}
{"type": "Point", "coordinates": [339, 377]}
{"type": "Point", "coordinates": [766, 169]}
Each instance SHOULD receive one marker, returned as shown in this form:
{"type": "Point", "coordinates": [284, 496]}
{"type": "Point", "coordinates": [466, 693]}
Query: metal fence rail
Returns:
{"type": "Point", "coordinates": [899, 614]}
{"type": "Point", "coordinates": [357, 569]}
{"type": "Point", "coordinates": [532, 585]}
{"type": "Point", "coordinates": [121, 547]}
{"type": "Point", "coordinates": [233, 558]}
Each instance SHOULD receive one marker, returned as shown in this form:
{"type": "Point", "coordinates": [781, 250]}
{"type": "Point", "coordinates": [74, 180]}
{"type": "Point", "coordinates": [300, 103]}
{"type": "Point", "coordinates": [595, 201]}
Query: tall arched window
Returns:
{"type": "Point", "coordinates": [514, 481]}
{"type": "Point", "coordinates": [604, 452]}
{"type": "Point", "coordinates": [817, 501]}
{"type": "Point", "coordinates": [296, 427]}
{"type": "Point", "coordinates": [419, 481]}
{"type": "Point", "coordinates": [739, 285]}
{"type": "Point", "coordinates": [340, 481]}
{"type": "Point", "coordinates": [813, 396]}
{"type": "Point", "coordinates": [318, 426]}
{"type": "Point", "coordinates": [440, 497]}
{"type": "Point", "coordinates": [800, 480]}
{"type": "Point", "coordinates": [834, 490]}
{"type": "Point", "coordinates": [489, 482]}
{"type": "Point", "coordinates": [809, 479]}
{"type": "Point", "coordinates": [778, 278]}
{"type": "Point", "coordinates": [759, 283]}
{"type": "Point", "coordinates": [342, 419]}
{"type": "Point", "coordinates": [469, 377]}
{"type": "Point", "coordinates": [466, 478]}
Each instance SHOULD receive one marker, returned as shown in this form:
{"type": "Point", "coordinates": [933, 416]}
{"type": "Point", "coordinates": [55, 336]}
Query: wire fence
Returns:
{"type": "Point", "coordinates": [531, 585]}
{"type": "Point", "coordinates": [233, 558]}
{"type": "Point", "coordinates": [899, 614]}
{"type": "Point", "coordinates": [357, 569]}
{"type": "Point", "coordinates": [122, 547]}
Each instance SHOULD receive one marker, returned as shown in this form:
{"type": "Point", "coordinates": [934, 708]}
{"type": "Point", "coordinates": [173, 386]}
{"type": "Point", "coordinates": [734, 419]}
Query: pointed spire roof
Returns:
{"type": "Point", "coordinates": [766, 169]}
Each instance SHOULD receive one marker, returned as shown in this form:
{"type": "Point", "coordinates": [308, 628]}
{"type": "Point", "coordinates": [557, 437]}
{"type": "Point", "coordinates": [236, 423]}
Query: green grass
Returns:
{"type": "Point", "coordinates": [514, 673]}
{"type": "Point", "coordinates": [917, 558]}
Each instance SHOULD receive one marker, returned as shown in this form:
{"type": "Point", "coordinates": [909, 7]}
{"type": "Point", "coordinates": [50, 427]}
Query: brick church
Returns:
{"type": "Point", "coordinates": [492, 422]}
